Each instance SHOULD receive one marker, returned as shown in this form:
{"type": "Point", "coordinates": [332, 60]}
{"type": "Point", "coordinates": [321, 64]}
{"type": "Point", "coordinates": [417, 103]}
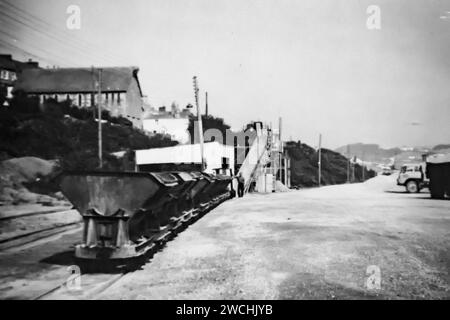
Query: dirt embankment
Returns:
{"type": "Point", "coordinates": [304, 166]}
{"type": "Point", "coordinates": [28, 135]}
{"type": "Point", "coordinates": [26, 180]}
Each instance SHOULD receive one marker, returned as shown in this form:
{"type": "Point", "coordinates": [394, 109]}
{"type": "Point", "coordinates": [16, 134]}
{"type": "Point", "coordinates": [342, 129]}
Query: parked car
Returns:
{"type": "Point", "coordinates": [386, 171]}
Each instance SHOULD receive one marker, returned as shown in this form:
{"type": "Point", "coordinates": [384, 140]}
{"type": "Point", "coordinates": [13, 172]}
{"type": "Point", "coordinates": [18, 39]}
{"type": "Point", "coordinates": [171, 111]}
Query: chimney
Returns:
{"type": "Point", "coordinates": [32, 63]}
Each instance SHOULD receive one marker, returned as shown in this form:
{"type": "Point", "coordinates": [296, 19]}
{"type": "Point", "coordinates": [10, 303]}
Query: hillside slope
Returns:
{"type": "Point", "coordinates": [304, 166]}
{"type": "Point", "coordinates": [71, 141]}
{"type": "Point", "coordinates": [33, 140]}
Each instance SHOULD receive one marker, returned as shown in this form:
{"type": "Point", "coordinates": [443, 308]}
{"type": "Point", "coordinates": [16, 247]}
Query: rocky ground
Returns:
{"type": "Point", "coordinates": [18, 175]}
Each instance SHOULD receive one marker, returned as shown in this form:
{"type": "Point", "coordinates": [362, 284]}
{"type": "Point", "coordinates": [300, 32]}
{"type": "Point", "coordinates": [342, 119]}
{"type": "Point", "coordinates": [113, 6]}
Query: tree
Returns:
{"type": "Point", "coordinates": [3, 94]}
{"type": "Point", "coordinates": [21, 103]}
{"type": "Point", "coordinates": [209, 122]}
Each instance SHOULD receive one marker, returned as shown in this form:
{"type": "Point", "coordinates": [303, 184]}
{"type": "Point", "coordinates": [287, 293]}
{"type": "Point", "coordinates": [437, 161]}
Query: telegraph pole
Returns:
{"type": "Point", "coordinates": [99, 99]}
{"type": "Point", "coordinates": [320, 158]}
{"type": "Point", "coordinates": [363, 167]}
{"type": "Point", "coordinates": [206, 103]}
{"type": "Point", "coordinates": [280, 149]}
{"type": "Point", "coordinates": [200, 124]}
{"type": "Point", "coordinates": [353, 169]}
{"type": "Point", "coordinates": [348, 164]}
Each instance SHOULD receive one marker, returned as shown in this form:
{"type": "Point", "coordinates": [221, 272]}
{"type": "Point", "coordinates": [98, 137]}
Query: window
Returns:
{"type": "Point", "coordinates": [85, 100]}
{"type": "Point", "coordinates": [4, 74]}
{"type": "Point", "coordinates": [13, 76]}
{"type": "Point", "coordinates": [9, 92]}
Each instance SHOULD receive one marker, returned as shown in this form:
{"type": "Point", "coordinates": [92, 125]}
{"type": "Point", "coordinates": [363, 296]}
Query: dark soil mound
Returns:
{"type": "Point", "coordinates": [304, 166]}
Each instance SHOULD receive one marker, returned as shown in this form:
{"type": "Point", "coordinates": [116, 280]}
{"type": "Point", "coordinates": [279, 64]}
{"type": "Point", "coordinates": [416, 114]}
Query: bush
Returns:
{"type": "Point", "coordinates": [74, 142]}
{"type": "Point", "coordinates": [208, 122]}
{"type": "Point", "coordinates": [21, 103]}
{"type": "Point", "coordinates": [3, 94]}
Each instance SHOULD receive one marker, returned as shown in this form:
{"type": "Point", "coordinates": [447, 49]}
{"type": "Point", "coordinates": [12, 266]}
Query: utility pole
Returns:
{"type": "Point", "coordinates": [200, 124]}
{"type": "Point", "coordinates": [99, 99]}
{"type": "Point", "coordinates": [363, 167]}
{"type": "Point", "coordinates": [353, 169]}
{"type": "Point", "coordinates": [206, 104]}
{"type": "Point", "coordinates": [348, 164]}
{"type": "Point", "coordinates": [280, 154]}
{"type": "Point", "coordinates": [320, 158]}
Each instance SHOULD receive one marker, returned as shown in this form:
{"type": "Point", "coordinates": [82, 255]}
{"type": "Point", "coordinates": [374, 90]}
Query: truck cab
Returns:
{"type": "Point", "coordinates": [412, 177]}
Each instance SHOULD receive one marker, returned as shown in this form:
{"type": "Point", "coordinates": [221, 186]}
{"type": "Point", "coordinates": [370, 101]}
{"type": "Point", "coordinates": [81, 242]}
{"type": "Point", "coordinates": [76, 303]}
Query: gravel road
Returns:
{"type": "Point", "coordinates": [307, 244]}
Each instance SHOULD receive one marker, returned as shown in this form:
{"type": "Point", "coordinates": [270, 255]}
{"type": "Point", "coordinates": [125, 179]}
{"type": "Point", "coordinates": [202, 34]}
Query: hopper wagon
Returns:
{"type": "Point", "coordinates": [127, 213]}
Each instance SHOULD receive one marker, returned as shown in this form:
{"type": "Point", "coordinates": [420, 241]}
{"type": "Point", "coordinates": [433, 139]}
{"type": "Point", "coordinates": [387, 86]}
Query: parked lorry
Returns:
{"type": "Point", "coordinates": [438, 172]}
{"type": "Point", "coordinates": [413, 177]}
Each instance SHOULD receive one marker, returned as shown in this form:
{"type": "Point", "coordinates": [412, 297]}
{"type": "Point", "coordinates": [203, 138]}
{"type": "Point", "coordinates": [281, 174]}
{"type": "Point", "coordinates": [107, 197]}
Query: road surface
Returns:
{"type": "Point", "coordinates": [307, 244]}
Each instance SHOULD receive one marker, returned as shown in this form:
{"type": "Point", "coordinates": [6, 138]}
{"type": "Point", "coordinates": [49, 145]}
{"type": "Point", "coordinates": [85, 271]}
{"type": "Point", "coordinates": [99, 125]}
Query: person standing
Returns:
{"type": "Point", "coordinates": [241, 185]}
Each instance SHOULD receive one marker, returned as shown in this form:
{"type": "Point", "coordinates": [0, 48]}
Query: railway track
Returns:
{"type": "Point", "coordinates": [92, 286]}
{"type": "Point", "coordinates": [88, 291]}
{"type": "Point", "coordinates": [34, 213]}
{"type": "Point", "coordinates": [38, 235]}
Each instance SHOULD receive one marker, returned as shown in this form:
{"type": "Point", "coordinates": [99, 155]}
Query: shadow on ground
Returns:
{"type": "Point", "coordinates": [311, 287]}
{"type": "Point", "coordinates": [395, 191]}
{"type": "Point", "coordinates": [104, 265]}
{"type": "Point", "coordinates": [109, 266]}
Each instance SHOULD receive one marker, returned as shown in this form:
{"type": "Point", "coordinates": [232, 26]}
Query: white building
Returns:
{"type": "Point", "coordinates": [216, 156]}
{"type": "Point", "coordinates": [173, 123]}
{"type": "Point", "coordinates": [177, 129]}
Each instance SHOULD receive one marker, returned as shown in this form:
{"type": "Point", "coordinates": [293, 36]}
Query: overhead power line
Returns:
{"type": "Point", "coordinates": [90, 54]}
{"type": "Point", "coordinates": [45, 52]}
{"type": "Point", "coordinates": [27, 53]}
{"type": "Point", "coordinates": [59, 41]}
{"type": "Point", "coordinates": [60, 33]}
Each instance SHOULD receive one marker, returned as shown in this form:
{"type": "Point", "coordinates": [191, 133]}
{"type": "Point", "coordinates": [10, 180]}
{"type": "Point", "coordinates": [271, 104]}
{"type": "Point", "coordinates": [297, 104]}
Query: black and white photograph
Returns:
{"type": "Point", "coordinates": [234, 152]}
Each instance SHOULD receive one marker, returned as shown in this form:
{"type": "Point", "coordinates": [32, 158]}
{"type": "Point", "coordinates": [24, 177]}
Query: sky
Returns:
{"type": "Point", "coordinates": [315, 63]}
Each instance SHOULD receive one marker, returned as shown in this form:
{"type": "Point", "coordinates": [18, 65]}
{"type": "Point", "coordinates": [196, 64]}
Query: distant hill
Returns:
{"type": "Point", "coordinates": [368, 152]}
{"type": "Point", "coordinates": [441, 147]}
{"type": "Point", "coordinates": [334, 166]}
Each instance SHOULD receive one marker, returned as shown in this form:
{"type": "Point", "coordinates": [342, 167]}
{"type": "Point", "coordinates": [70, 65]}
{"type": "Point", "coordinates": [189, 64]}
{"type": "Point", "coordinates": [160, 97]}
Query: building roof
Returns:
{"type": "Point", "coordinates": [8, 63]}
{"type": "Point", "coordinates": [182, 153]}
{"type": "Point", "coordinates": [74, 80]}
{"type": "Point", "coordinates": [167, 115]}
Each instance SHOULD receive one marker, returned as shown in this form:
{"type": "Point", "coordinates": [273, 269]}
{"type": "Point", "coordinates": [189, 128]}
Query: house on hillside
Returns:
{"type": "Point", "coordinates": [218, 158]}
{"type": "Point", "coordinates": [121, 92]}
{"type": "Point", "coordinates": [174, 123]}
{"type": "Point", "coordinates": [10, 71]}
